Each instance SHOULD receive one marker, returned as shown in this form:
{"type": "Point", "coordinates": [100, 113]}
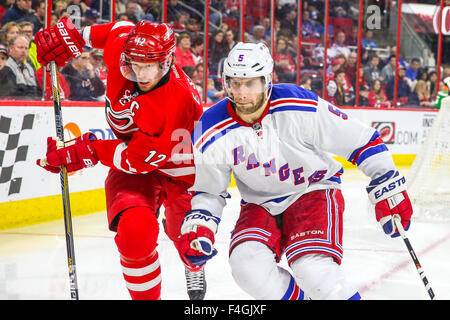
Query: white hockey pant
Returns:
{"type": "Point", "coordinates": [256, 271]}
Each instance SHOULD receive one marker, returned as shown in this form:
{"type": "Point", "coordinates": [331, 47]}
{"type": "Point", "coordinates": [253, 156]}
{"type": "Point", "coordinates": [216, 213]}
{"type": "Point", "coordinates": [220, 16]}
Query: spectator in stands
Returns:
{"type": "Point", "coordinates": [9, 30]}
{"type": "Point", "coordinates": [368, 42]}
{"type": "Point", "coordinates": [412, 70]}
{"type": "Point", "coordinates": [7, 79]}
{"type": "Point", "coordinates": [197, 78]}
{"type": "Point", "coordinates": [339, 46]}
{"type": "Point", "coordinates": [26, 29]}
{"type": "Point", "coordinates": [404, 89]}
{"type": "Point", "coordinates": [213, 94]}
{"type": "Point", "coordinates": [64, 90]}
{"type": "Point", "coordinates": [40, 15]}
{"type": "Point", "coordinates": [179, 25]}
{"type": "Point", "coordinates": [23, 72]}
{"type": "Point", "coordinates": [173, 10]}
{"type": "Point", "coordinates": [363, 96]}
{"type": "Point", "coordinates": [419, 96]}
{"type": "Point", "coordinates": [258, 34]}
{"type": "Point", "coordinates": [60, 7]}
{"type": "Point", "coordinates": [197, 49]}
{"type": "Point", "coordinates": [84, 84]}
{"type": "Point", "coordinates": [215, 16]}
{"type": "Point", "coordinates": [91, 17]}
{"type": "Point", "coordinates": [371, 71]}
{"type": "Point", "coordinates": [351, 67]}
{"type": "Point", "coordinates": [330, 94]}
{"type": "Point", "coordinates": [183, 53]}
{"type": "Point", "coordinates": [352, 38]}
{"type": "Point", "coordinates": [422, 74]}
{"type": "Point", "coordinates": [120, 6]}
{"type": "Point", "coordinates": [218, 49]}
{"type": "Point", "coordinates": [154, 8]}
{"type": "Point", "coordinates": [388, 70]}
{"type": "Point", "coordinates": [339, 8]}
{"type": "Point", "coordinates": [20, 11]}
{"type": "Point", "coordinates": [333, 67]}
{"type": "Point", "coordinates": [191, 73]}
{"type": "Point", "coordinates": [122, 17]}
{"type": "Point", "coordinates": [377, 97]}
{"type": "Point", "coordinates": [344, 94]}
{"type": "Point", "coordinates": [192, 27]}
{"type": "Point", "coordinates": [306, 82]}
{"type": "Point", "coordinates": [290, 21]}
{"type": "Point", "coordinates": [229, 37]}
{"type": "Point", "coordinates": [446, 72]}
{"type": "Point", "coordinates": [96, 59]}
{"type": "Point", "coordinates": [284, 63]}
{"type": "Point", "coordinates": [432, 85]}
{"type": "Point", "coordinates": [309, 26]}
{"type": "Point", "coordinates": [224, 27]}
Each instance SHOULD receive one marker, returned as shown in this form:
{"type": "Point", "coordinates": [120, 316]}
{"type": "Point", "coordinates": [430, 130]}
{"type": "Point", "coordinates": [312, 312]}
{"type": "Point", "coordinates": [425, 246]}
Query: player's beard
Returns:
{"type": "Point", "coordinates": [249, 107]}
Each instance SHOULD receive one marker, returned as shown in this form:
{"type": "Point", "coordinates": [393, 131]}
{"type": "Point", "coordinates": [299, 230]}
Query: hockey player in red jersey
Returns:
{"type": "Point", "coordinates": [151, 106]}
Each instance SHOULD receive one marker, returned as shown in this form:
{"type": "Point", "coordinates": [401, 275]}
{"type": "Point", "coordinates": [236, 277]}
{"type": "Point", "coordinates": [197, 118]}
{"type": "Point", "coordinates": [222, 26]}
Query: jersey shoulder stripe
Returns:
{"type": "Point", "coordinates": [373, 147]}
{"type": "Point", "coordinates": [214, 123]}
{"type": "Point", "coordinates": [289, 97]}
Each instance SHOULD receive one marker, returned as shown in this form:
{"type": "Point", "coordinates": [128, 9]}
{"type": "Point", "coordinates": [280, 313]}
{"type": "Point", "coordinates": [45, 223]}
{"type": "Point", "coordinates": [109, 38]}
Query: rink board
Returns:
{"type": "Point", "coordinates": [29, 194]}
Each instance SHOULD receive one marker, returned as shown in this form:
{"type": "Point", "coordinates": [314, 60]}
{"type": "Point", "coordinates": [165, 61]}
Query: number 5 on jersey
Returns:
{"type": "Point", "coordinates": [160, 157]}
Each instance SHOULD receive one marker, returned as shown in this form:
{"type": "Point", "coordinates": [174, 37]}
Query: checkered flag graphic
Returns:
{"type": "Point", "coordinates": [12, 146]}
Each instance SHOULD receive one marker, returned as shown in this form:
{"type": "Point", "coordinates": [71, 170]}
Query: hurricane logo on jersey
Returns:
{"type": "Point", "coordinates": [122, 121]}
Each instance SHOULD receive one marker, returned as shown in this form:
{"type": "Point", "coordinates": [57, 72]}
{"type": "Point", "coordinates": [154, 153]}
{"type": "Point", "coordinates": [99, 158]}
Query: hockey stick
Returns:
{"type": "Point", "coordinates": [398, 224]}
{"type": "Point", "coordinates": [64, 187]}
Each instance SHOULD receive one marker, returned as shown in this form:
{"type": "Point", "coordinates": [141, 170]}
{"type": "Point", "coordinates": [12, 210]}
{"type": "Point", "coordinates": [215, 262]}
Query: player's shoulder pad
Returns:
{"type": "Point", "coordinates": [288, 90]}
{"type": "Point", "coordinates": [121, 24]}
{"type": "Point", "coordinates": [211, 117]}
{"type": "Point", "coordinates": [292, 98]}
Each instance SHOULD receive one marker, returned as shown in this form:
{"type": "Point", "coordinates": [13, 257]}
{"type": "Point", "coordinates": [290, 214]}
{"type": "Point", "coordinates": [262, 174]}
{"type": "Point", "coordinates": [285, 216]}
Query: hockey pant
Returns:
{"type": "Point", "coordinates": [309, 233]}
{"type": "Point", "coordinates": [132, 205]}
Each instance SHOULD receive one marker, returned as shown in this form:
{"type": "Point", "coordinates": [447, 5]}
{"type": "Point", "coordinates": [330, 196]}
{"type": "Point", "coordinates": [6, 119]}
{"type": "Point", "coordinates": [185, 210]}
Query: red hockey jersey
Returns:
{"type": "Point", "coordinates": [153, 128]}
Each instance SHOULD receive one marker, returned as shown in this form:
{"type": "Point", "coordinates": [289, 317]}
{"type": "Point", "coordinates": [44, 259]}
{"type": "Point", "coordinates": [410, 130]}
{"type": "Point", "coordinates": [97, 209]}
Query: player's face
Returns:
{"type": "Point", "coordinates": [247, 93]}
{"type": "Point", "coordinates": [147, 74]}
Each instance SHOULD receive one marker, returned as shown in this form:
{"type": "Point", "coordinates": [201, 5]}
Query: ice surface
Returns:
{"type": "Point", "coordinates": [33, 259]}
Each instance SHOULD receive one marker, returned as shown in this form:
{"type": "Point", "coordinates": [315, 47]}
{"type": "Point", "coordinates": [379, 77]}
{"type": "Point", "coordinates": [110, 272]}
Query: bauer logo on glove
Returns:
{"type": "Point", "coordinates": [67, 38]}
{"type": "Point", "coordinates": [75, 154]}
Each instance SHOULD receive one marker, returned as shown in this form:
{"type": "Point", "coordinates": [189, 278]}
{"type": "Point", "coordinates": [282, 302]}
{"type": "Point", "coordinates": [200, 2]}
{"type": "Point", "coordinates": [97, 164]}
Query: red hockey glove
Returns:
{"type": "Point", "coordinates": [388, 194]}
{"type": "Point", "coordinates": [59, 43]}
{"type": "Point", "coordinates": [75, 154]}
{"type": "Point", "coordinates": [197, 237]}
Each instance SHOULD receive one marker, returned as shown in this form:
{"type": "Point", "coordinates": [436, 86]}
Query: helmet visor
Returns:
{"type": "Point", "coordinates": [240, 90]}
{"type": "Point", "coordinates": [142, 72]}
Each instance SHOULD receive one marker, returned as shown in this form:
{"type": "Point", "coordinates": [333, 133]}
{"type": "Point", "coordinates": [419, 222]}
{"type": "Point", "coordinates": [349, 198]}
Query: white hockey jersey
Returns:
{"type": "Point", "coordinates": [285, 154]}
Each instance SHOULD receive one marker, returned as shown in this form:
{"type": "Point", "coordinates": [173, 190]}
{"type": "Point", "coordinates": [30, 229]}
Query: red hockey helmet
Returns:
{"type": "Point", "coordinates": [148, 42]}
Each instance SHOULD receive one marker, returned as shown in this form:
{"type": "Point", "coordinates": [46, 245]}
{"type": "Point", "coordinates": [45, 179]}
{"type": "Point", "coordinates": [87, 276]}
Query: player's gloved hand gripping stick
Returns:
{"type": "Point", "coordinates": [57, 45]}
{"type": "Point", "coordinates": [388, 194]}
{"type": "Point", "coordinates": [197, 237]}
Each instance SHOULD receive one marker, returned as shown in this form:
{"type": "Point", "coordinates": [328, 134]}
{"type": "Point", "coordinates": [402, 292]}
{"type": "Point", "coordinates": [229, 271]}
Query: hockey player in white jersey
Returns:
{"type": "Point", "coordinates": [278, 141]}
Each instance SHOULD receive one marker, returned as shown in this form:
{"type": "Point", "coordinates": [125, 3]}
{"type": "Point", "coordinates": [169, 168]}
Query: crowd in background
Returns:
{"type": "Point", "coordinates": [84, 78]}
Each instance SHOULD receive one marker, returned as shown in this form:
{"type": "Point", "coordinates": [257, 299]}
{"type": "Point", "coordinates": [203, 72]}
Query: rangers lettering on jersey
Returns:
{"type": "Point", "coordinates": [301, 134]}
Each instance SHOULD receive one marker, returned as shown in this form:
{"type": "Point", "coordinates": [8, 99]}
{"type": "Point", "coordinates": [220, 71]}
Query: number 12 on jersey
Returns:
{"type": "Point", "coordinates": [160, 157]}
